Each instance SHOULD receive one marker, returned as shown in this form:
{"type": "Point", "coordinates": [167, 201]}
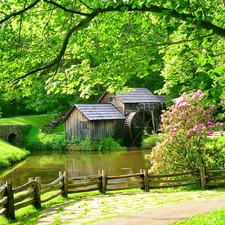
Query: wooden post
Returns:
{"type": "Point", "coordinates": [37, 193]}
{"type": "Point", "coordinates": [10, 210]}
{"type": "Point", "coordinates": [146, 180]}
{"type": "Point", "coordinates": [1, 184]}
{"type": "Point", "coordinates": [31, 188]}
{"type": "Point", "coordinates": [104, 182]}
{"type": "Point", "coordinates": [142, 177]}
{"type": "Point", "coordinates": [202, 178]}
{"type": "Point", "coordinates": [100, 179]}
{"type": "Point", "coordinates": [64, 188]}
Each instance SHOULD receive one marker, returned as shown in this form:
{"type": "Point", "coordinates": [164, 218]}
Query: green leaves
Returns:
{"type": "Point", "coordinates": [129, 42]}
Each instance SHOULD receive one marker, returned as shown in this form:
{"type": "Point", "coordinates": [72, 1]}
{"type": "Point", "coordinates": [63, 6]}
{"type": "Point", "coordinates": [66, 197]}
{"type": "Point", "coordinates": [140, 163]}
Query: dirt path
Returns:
{"type": "Point", "coordinates": [168, 214]}
{"type": "Point", "coordinates": [133, 208]}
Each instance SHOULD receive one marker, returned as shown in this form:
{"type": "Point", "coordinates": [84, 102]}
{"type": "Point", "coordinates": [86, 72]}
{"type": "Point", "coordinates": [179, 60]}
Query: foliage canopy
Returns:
{"type": "Point", "coordinates": [83, 46]}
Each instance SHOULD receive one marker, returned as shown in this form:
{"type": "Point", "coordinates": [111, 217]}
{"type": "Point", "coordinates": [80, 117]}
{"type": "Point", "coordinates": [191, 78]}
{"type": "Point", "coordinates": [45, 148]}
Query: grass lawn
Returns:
{"type": "Point", "coordinates": [10, 154]}
{"type": "Point", "coordinates": [35, 120]}
{"type": "Point", "coordinates": [216, 217]}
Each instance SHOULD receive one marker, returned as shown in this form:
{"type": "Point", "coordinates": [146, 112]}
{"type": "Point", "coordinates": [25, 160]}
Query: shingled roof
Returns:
{"type": "Point", "coordinates": [162, 98]}
{"type": "Point", "coordinates": [99, 111]}
{"type": "Point", "coordinates": [139, 95]}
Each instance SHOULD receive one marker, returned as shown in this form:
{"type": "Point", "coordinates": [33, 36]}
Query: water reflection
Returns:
{"type": "Point", "coordinates": [77, 164]}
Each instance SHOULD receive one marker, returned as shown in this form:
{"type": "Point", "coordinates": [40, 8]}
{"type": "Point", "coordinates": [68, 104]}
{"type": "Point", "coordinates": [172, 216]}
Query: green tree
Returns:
{"type": "Point", "coordinates": [83, 46]}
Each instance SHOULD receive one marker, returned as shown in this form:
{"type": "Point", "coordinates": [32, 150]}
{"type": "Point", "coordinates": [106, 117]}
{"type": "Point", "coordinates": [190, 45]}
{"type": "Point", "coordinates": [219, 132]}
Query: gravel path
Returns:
{"type": "Point", "coordinates": [133, 208]}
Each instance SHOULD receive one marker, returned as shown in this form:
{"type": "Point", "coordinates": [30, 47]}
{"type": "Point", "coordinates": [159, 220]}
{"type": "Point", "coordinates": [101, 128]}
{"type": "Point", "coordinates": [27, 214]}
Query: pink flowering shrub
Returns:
{"type": "Point", "coordinates": [185, 128]}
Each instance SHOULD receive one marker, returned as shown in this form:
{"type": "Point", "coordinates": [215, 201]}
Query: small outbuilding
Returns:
{"type": "Point", "coordinates": [124, 115]}
{"type": "Point", "coordinates": [95, 121]}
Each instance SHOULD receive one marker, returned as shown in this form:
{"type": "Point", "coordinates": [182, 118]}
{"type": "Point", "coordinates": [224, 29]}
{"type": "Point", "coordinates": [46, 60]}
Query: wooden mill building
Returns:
{"type": "Point", "coordinates": [124, 115]}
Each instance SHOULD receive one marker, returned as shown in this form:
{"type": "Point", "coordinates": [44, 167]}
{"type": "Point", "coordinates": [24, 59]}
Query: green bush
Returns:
{"type": "Point", "coordinates": [108, 144]}
{"type": "Point", "coordinates": [36, 141]}
{"type": "Point", "coordinates": [81, 144]}
{"type": "Point", "coordinates": [149, 140]}
{"type": "Point", "coordinates": [215, 146]}
{"type": "Point", "coordinates": [186, 128]}
{"type": "Point", "coordinates": [105, 144]}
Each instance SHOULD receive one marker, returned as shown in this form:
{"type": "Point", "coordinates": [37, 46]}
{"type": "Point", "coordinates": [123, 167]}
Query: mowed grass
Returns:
{"type": "Point", "coordinates": [216, 217]}
{"type": "Point", "coordinates": [34, 120]}
{"type": "Point", "coordinates": [11, 154]}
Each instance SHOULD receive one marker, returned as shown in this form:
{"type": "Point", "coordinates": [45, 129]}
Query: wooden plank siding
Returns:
{"type": "Point", "coordinates": [114, 100]}
{"type": "Point", "coordinates": [73, 125]}
{"type": "Point", "coordinates": [79, 125]}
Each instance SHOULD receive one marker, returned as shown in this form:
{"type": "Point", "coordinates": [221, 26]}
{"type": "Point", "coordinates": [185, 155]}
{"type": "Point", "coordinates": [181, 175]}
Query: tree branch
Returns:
{"type": "Point", "coordinates": [19, 12]}
{"type": "Point", "coordinates": [65, 9]}
{"type": "Point", "coordinates": [170, 43]}
{"type": "Point", "coordinates": [86, 5]}
{"type": "Point", "coordinates": [154, 9]}
{"type": "Point", "coordinates": [181, 16]}
{"type": "Point", "coordinates": [61, 53]}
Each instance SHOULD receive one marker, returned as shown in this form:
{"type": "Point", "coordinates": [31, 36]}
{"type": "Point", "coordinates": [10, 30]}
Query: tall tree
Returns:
{"type": "Point", "coordinates": [80, 45]}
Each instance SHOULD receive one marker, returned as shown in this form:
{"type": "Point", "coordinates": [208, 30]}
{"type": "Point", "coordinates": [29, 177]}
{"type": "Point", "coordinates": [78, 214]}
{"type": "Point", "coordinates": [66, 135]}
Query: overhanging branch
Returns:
{"type": "Point", "coordinates": [153, 9]}
{"type": "Point", "coordinates": [62, 51]}
{"type": "Point", "coordinates": [181, 16]}
{"type": "Point", "coordinates": [19, 12]}
{"type": "Point", "coordinates": [66, 9]}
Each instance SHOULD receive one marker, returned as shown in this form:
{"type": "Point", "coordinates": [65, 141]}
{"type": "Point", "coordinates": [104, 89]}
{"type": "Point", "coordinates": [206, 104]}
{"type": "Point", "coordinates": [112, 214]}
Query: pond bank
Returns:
{"type": "Point", "coordinates": [11, 154]}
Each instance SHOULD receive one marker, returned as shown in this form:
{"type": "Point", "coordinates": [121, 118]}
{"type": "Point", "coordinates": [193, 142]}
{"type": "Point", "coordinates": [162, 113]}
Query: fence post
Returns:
{"type": "Point", "coordinates": [64, 187]}
{"type": "Point", "coordinates": [10, 210]}
{"type": "Point", "coordinates": [202, 178]}
{"type": "Point", "coordinates": [146, 180]}
{"type": "Point", "coordinates": [100, 179]}
{"type": "Point", "coordinates": [1, 184]}
{"type": "Point", "coordinates": [37, 193]}
{"type": "Point", "coordinates": [104, 181]}
{"type": "Point", "coordinates": [31, 188]}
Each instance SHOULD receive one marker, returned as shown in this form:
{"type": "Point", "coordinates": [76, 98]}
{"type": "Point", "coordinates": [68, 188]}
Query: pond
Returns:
{"type": "Point", "coordinates": [47, 166]}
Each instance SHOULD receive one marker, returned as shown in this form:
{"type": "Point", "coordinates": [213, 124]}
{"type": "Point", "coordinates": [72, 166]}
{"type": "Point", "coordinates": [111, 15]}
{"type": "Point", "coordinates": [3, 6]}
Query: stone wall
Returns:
{"type": "Point", "coordinates": [11, 133]}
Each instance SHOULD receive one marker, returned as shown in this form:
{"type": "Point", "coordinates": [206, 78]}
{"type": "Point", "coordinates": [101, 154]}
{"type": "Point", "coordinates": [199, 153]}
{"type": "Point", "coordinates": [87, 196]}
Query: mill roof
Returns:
{"type": "Point", "coordinates": [162, 98]}
{"type": "Point", "coordinates": [139, 95]}
{"type": "Point", "coordinates": [98, 111]}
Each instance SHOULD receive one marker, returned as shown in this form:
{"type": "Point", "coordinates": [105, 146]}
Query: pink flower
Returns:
{"type": "Point", "coordinates": [209, 133]}
{"type": "Point", "coordinates": [179, 100]}
{"type": "Point", "coordinates": [198, 131]}
{"type": "Point", "coordinates": [173, 130]}
{"type": "Point", "coordinates": [221, 124]}
{"type": "Point", "coordinates": [201, 125]}
{"type": "Point", "coordinates": [184, 104]}
{"type": "Point", "coordinates": [189, 135]}
{"type": "Point", "coordinates": [194, 96]}
{"type": "Point", "coordinates": [200, 94]}
{"type": "Point", "coordinates": [210, 124]}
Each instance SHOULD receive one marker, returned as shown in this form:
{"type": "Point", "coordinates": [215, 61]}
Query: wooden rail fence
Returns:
{"type": "Point", "coordinates": [34, 192]}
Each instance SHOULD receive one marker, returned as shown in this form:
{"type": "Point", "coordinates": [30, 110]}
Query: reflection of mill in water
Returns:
{"type": "Point", "coordinates": [115, 163]}
{"type": "Point", "coordinates": [85, 166]}
{"type": "Point", "coordinates": [76, 164]}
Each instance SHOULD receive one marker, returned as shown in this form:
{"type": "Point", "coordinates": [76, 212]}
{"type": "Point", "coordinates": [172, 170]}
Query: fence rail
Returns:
{"type": "Point", "coordinates": [33, 192]}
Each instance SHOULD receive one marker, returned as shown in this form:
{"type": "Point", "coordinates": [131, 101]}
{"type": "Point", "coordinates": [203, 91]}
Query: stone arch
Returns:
{"type": "Point", "coordinates": [12, 139]}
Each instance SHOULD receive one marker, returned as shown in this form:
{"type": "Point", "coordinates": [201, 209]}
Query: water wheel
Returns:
{"type": "Point", "coordinates": [136, 122]}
